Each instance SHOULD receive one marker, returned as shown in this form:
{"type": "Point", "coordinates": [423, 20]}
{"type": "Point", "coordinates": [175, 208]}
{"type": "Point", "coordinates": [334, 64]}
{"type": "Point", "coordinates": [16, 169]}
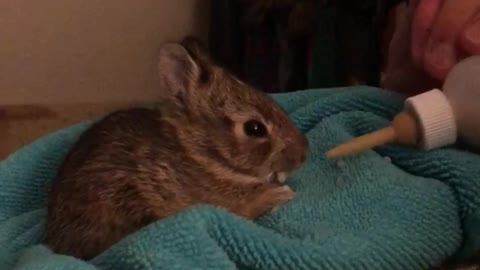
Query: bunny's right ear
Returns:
{"type": "Point", "coordinates": [179, 70]}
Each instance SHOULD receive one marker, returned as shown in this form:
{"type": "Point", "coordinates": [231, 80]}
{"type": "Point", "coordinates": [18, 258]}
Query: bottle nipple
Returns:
{"type": "Point", "coordinates": [403, 130]}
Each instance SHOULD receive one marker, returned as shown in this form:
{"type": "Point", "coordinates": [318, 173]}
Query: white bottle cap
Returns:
{"type": "Point", "coordinates": [435, 117]}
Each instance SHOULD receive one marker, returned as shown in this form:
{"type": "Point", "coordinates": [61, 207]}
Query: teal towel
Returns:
{"type": "Point", "coordinates": [394, 208]}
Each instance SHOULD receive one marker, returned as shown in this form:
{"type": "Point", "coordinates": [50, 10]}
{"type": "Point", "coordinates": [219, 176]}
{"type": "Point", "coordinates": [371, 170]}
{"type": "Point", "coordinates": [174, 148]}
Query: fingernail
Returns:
{"type": "Point", "coordinates": [439, 59]}
{"type": "Point", "coordinates": [472, 34]}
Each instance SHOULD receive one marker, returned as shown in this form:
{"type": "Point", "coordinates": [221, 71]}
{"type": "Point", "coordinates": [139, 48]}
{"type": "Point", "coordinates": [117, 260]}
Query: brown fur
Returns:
{"type": "Point", "coordinates": [140, 165]}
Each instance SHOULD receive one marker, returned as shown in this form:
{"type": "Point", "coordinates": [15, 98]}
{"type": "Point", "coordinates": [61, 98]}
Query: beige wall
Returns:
{"type": "Point", "coordinates": [68, 51]}
{"type": "Point", "coordinates": [62, 61]}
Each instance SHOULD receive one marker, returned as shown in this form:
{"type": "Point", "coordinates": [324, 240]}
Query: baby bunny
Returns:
{"type": "Point", "coordinates": [211, 139]}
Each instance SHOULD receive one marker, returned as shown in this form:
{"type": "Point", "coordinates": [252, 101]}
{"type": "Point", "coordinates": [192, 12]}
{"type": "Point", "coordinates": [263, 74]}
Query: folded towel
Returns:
{"type": "Point", "coordinates": [393, 208]}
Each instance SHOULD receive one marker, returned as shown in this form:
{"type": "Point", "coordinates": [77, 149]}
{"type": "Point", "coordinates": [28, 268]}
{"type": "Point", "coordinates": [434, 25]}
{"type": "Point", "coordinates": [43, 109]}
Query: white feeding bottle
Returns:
{"type": "Point", "coordinates": [432, 119]}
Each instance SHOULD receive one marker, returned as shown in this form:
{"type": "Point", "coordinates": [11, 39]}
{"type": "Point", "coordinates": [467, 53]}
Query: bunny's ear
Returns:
{"type": "Point", "coordinates": [197, 50]}
{"type": "Point", "coordinates": [177, 70]}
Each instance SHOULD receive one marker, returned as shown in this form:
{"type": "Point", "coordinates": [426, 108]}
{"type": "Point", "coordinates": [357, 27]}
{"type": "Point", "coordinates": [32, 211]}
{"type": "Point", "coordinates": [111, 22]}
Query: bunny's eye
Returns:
{"type": "Point", "coordinates": [254, 128]}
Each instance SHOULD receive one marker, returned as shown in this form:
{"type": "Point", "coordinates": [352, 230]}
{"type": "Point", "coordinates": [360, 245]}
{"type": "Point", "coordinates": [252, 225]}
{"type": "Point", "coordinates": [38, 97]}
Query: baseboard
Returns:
{"type": "Point", "coordinates": [22, 124]}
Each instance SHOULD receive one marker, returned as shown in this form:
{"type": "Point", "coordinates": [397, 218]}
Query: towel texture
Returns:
{"type": "Point", "coordinates": [411, 210]}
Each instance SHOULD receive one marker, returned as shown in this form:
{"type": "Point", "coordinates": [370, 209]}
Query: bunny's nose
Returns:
{"type": "Point", "coordinates": [299, 152]}
{"type": "Point", "coordinates": [304, 149]}
{"type": "Point", "coordinates": [303, 157]}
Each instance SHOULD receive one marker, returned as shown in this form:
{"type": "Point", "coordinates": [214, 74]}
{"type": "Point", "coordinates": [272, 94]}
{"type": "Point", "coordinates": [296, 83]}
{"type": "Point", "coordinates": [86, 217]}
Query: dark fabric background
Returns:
{"type": "Point", "coordinates": [341, 46]}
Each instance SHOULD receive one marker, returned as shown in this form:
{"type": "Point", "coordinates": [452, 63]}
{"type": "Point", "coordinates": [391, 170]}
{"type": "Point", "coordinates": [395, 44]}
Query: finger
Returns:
{"type": "Point", "coordinates": [470, 38]}
{"type": "Point", "coordinates": [441, 52]}
{"type": "Point", "coordinates": [426, 11]}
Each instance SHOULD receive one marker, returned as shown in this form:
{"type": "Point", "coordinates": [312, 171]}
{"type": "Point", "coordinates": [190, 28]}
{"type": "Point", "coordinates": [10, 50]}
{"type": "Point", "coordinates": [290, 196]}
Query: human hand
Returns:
{"type": "Point", "coordinates": [443, 33]}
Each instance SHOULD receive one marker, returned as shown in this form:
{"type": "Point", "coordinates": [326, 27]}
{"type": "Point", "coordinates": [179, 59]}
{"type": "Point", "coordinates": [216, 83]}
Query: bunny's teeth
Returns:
{"type": "Point", "coordinates": [282, 177]}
